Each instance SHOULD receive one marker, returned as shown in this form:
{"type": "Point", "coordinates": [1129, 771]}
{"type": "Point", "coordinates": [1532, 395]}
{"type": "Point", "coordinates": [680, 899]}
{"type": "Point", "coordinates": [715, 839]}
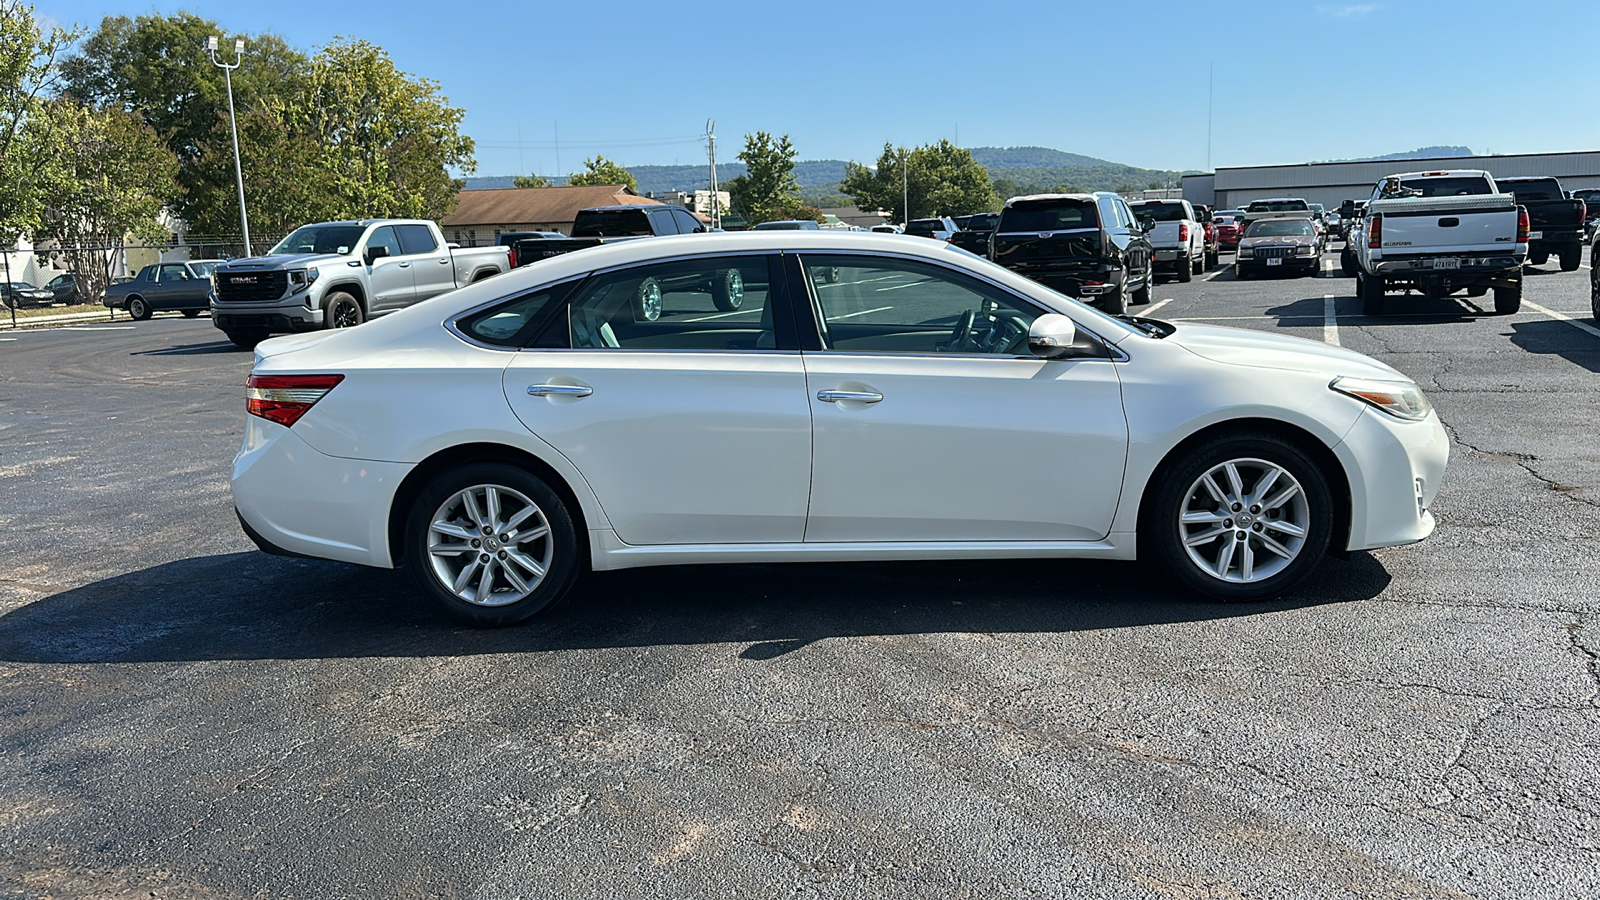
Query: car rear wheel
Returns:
{"type": "Point", "coordinates": [1185, 266]}
{"type": "Point", "coordinates": [1240, 517]}
{"type": "Point", "coordinates": [1347, 261]}
{"type": "Point", "coordinates": [1571, 258]}
{"type": "Point", "coordinates": [492, 544]}
{"type": "Point", "coordinates": [1507, 300]}
{"type": "Point", "coordinates": [190, 313]}
{"type": "Point", "coordinates": [727, 290]}
{"type": "Point", "coordinates": [1370, 287]}
{"type": "Point", "coordinates": [246, 339]}
{"type": "Point", "coordinates": [341, 310]}
{"type": "Point", "coordinates": [1114, 302]}
{"type": "Point", "coordinates": [139, 309]}
{"type": "Point", "coordinates": [1141, 294]}
{"type": "Point", "coordinates": [1538, 257]}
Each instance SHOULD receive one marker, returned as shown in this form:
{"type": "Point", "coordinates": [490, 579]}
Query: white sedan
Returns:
{"type": "Point", "coordinates": [794, 396]}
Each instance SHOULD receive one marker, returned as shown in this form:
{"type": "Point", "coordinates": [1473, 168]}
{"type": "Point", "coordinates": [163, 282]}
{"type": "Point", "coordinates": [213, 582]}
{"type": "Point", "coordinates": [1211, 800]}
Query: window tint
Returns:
{"type": "Point", "coordinates": [612, 223]}
{"type": "Point", "coordinates": [1161, 212]}
{"type": "Point", "coordinates": [148, 273]}
{"type": "Point", "coordinates": [1048, 215]}
{"type": "Point", "coordinates": [886, 305]}
{"type": "Point", "coordinates": [416, 239]}
{"type": "Point", "coordinates": [686, 223]}
{"type": "Point", "coordinates": [384, 237]}
{"type": "Point", "coordinates": [513, 323]}
{"type": "Point", "coordinates": [1549, 189]}
{"type": "Point", "coordinates": [926, 227]}
{"type": "Point", "coordinates": [720, 303]}
{"type": "Point", "coordinates": [173, 272]}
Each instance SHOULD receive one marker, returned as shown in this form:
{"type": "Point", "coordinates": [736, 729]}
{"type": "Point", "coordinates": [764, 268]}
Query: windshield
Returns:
{"type": "Point", "coordinates": [1278, 206]}
{"type": "Point", "coordinates": [1535, 190]}
{"type": "Point", "coordinates": [340, 239]}
{"type": "Point", "coordinates": [1048, 215]}
{"type": "Point", "coordinates": [19, 286]}
{"type": "Point", "coordinates": [1161, 212]}
{"type": "Point", "coordinates": [1279, 228]}
{"type": "Point", "coordinates": [203, 269]}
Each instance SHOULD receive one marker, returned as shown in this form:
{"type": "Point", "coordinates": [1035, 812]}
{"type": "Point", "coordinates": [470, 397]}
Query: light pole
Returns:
{"type": "Point", "coordinates": [905, 186]}
{"type": "Point", "coordinates": [233, 123]}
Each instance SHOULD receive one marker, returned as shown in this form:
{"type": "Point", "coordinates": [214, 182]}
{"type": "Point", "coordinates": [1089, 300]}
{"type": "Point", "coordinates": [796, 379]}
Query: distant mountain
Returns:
{"type": "Point", "coordinates": [1419, 153]}
{"type": "Point", "coordinates": [1001, 158]}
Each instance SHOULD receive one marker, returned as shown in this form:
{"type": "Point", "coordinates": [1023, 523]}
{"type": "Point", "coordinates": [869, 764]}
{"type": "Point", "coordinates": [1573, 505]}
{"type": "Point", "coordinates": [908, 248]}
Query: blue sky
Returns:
{"type": "Point", "coordinates": [1120, 79]}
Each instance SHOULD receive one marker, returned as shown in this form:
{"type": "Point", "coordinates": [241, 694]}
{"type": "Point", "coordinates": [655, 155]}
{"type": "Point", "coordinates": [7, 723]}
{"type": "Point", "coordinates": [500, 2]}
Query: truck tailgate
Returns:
{"type": "Point", "coordinates": [1448, 224]}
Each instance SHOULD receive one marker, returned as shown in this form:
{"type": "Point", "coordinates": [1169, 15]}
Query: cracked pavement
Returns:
{"type": "Point", "coordinates": [182, 716]}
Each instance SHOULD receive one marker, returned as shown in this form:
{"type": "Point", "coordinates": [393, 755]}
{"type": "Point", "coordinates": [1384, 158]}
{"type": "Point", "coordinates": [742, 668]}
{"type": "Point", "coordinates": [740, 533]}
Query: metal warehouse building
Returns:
{"type": "Point", "coordinates": [1332, 183]}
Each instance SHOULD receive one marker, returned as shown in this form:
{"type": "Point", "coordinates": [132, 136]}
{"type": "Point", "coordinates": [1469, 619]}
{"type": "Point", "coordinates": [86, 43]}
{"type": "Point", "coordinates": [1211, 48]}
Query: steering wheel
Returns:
{"type": "Point", "coordinates": [961, 335]}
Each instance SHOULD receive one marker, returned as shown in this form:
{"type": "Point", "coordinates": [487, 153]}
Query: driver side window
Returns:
{"type": "Point", "coordinates": [887, 305]}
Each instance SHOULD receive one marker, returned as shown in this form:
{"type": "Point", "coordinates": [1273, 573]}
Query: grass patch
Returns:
{"type": "Point", "coordinates": [33, 312]}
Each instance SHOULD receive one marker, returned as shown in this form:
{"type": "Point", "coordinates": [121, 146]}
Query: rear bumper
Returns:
{"type": "Point", "coordinates": [1467, 265]}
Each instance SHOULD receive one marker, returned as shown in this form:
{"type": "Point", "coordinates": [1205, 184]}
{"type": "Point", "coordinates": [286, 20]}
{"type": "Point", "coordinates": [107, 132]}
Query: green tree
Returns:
{"type": "Point", "coordinates": [530, 181]}
{"type": "Point", "coordinates": [938, 180]}
{"type": "Point", "coordinates": [768, 191]}
{"type": "Point", "coordinates": [603, 171]}
{"type": "Point", "coordinates": [30, 71]}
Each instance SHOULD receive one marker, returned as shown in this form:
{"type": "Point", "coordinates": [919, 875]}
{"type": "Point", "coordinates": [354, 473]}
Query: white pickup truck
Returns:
{"type": "Point", "coordinates": [339, 274]}
{"type": "Point", "coordinates": [1439, 232]}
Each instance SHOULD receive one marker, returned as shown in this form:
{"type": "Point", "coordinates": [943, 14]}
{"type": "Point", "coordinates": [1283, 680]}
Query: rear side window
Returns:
{"type": "Point", "coordinates": [416, 239]}
{"type": "Point", "coordinates": [718, 303]}
{"type": "Point", "coordinates": [513, 323]}
{"type": "Point", "coordinates": [1048, 215]}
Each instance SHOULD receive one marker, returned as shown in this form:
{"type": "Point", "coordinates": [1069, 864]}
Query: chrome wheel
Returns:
{"type": "Point", "coordinates": [648, 302]}
{"type": "Point", "coordinates": [1244, 520]}
{"type": "Point", "coordinates": [490, 545]}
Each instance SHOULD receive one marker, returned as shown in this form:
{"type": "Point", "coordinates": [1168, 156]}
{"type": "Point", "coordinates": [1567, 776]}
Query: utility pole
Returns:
{"type": "Point", "coordinates": [1211, 96]}
{"type": "Point", "coordinates": [905, 186]}
{"type": "Point", "coordinates": [233, 123]}
{"type": "Point", "coordinates": [716, 199]}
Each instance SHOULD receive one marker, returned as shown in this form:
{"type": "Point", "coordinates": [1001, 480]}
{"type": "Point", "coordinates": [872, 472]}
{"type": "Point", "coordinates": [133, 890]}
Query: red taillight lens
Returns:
{"type": "Point", "coordinates": [1375, 233]}
{"type": "Point", "coordinates": [1183, 233]}
{"type": "Point", "coordinates": [1523, 225]}
{"type": "Point", "coordinates": [511, 257]}
{"type": "Point", "coordinates": [285, 398]}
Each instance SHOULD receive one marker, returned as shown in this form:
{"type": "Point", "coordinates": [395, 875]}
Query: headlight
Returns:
{"type": "Point", "coordinates": [1246, 251]}
{"type": "Point", "coordinates": [1305, 250]}
{"type": "Point", "coordinates": [299, 281]}
{"type": "Point", "coordinates": [1400, 399]}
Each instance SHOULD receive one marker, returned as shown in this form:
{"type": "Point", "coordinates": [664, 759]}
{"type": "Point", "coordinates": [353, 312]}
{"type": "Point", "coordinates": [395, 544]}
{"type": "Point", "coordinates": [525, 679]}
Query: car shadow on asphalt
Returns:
{"type": "Point", "coordinates": [190, 349]}
{"type": "Point", "coordinates": [1560, 338]}
{"type": "Point", "coordinates": [1404, 309]}
{"type": "Point", "coordinates": [253, 606]}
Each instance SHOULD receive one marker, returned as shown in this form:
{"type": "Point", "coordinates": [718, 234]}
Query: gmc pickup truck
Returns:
{"type": "Point", "coordinates": [1439, 232]}
{"type": "Point", "coordinates": [339, 274]}
{"type": "Point", "coordinates": [1555, 222]}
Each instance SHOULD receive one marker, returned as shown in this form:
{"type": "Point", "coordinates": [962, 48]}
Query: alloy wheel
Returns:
{"type": "Point", "coordinates": [1244, 520]}
{"type": "Point", "coordinates": [490, 545]}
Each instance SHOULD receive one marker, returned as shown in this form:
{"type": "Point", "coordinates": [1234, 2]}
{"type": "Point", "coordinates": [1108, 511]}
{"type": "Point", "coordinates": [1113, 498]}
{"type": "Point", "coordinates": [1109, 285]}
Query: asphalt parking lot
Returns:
{"type": "Point", "coordinates": [183, 716]}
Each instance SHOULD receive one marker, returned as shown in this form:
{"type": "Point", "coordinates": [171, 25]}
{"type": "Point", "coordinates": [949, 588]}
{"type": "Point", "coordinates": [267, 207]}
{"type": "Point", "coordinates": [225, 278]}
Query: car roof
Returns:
{"type": "Point", "coordinates": [1094, 196]}
{"type": "Point", "coordinates": [624, 206]}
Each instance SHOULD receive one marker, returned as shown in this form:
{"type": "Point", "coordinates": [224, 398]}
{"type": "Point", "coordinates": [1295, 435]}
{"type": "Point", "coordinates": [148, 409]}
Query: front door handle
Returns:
{"type": "Point", "coordinates": [858, 396]}
{"type": "Point", "coordinates": [444, 262]}
{"type": "Point", "coordinates": [405, 265]}
{"type": "Point", "coordinates": [560, 390]}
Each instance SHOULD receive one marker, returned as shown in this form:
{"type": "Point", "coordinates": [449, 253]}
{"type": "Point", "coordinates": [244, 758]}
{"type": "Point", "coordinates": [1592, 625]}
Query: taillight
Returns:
{"type": "Point", "coordinates": [511, 257]}
{"type": "Point", "coordinates": [285, 398]}
{"type": "Point", "coordinates": [1522, 224]}
{"type": "Point", "coordinates": [1183, 232]}
{"type": "Point", "coordinates": [1375, 232]}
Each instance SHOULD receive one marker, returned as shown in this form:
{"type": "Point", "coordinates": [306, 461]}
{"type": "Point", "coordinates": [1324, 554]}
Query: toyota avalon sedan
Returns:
{"type": "Point", "coordinates": [864, 398]}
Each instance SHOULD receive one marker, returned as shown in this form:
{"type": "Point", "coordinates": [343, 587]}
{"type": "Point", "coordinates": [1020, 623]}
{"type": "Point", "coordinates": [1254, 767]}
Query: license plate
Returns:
{"type": "Point", "coordinates": [1274, 262]}
{"type": "Point", "coordinates": [1447, 264]}
{"type": "Point", "coordinates": [1535, 235]}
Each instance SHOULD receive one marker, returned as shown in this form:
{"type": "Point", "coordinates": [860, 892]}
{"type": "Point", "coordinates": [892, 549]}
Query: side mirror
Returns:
{"type": "Point", "coordinates": [1347, 209]}
{"type": "Point", "coordinates": [1052, 336]}
{"type": "Point", "coordinates": [376, 253]}
{"type": "Point", "coordinates": [1147, 225]}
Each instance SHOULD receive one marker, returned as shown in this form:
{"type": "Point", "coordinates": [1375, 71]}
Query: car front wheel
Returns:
{"type": "Point", "coordinates": [1240, 518]}
{"type": "Point", "coordinates": [492, 543]}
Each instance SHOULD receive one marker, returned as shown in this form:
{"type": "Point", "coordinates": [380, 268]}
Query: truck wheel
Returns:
{"type": "Point", "coordinates": [139, 309]}
{"type": "Point", "coordinates": [190, 313]}
{"type": "Point", "coordinates": [1594, 287]}
{"type": "Point", "coordinates": [1113, 304]}
{"type": "Point", "coordinates": [1141, 294]}
{"type": "Point", "coordinates": [1538, 257]}
{"type": "Point", "coordinates": [1477, 290]}
{"type": "Point", "coordinates": [1185, 268]}
{"type": "Point", "coordinates": [1213, 258]}
{"type": "Point", "coordinates": [1347, 261]}
{"type": "Point", "coordinates": [1571, 257]}
{"type": "Point", "coordinates": [340, 310]}
{"type": "Point", "coordinates": [1370, 287]}
{"type": "Point", "coordinates": [246, 339]}
{"type": "Point", "coordinates": [727, 290]}
{"type": "Point", "coordinates": [647, 301]}
{"type": "Point", "coordinates": [1508, 300]}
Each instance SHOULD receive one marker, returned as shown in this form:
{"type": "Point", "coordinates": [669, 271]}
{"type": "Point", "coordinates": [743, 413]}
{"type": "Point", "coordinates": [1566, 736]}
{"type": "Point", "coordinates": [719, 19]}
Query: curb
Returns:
{"type": "Point", "coordinates": [73, 319]}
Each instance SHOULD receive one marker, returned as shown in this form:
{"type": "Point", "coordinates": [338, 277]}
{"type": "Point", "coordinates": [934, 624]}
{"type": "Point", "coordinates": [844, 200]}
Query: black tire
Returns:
{"type": "Point", "coordinates": [1370, 287]}
{"type": "Point", "coordinates": [647, 301]}
{"type": "Point", "coordinates": [1185, 267]}
{"type": "Point", "coordinates": [1162, 535]}
{"type": "Point", "coordinates": [138, 309]}
{"type": "Point", "coordinates": [1507, 300]}
{"type": "Point", "coordinates": [1114, 303]}
{"type": "Point", "coordinates": [1594, 286]}
{"type": "Point", "coordinates": [246, 339]}
{"type": "Point", "coordinates": [1538, 257]}
{"type": "Point", "coordinates": [557, 549]}
{"type": "Point", "coordinates": [341, 310]}
{"type": "Point", "coordinates": [1213, 258]}
{"type": "Point", "coordinates": [1571, 258]}
{"type": "Point", "coordinates": [1347, 262]}
{"type": "Point", "coordinates": [727, 290]}
{"type": "Point", "coordinates": [1141, 294]}
{"type": "Point", "coordinates": [190, 313]}
{"type": "Point", "coordinates": [1240, 272]}
{"type": "Point", "coordinates": [1477, 290]}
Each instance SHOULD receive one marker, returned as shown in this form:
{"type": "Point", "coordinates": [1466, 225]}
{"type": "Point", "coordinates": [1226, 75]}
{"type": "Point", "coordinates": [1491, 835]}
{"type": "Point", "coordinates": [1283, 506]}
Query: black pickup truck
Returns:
{"type": "Point", "coordinates": [974, 234]}
{"type": "Point", "coordinates": [1088, 246]}
{"type": "Point", "coordinates": [1555, 223]}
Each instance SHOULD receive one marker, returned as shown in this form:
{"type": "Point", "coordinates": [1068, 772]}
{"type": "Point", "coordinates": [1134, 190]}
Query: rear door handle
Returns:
{"type": "Point", "coordinates": [560, 390]}
{"type": "Point", "coordinates": [859, 396]}
{"type": "Point", "coordinates": [444, 262]}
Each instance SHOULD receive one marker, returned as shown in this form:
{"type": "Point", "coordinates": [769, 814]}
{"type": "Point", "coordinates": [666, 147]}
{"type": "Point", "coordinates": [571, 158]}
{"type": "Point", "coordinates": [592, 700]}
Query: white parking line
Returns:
{"type": "Point", "coordinates": [7, 339]}
{"type": "Point", "coordinates": [1563, 317]}
{"type": "Point", "coordinates": [861, 313]}
{"type": "Point", "coordinates": [1330, 323]}
{"type": "Point", "coordinates": [737, 312]}
{"type": "Point", "coordinates": [1218, 272]}
{"type": "Point", "coordinates": [896, 287]}
{"type": "Point", "coordinates": [1155, 306]}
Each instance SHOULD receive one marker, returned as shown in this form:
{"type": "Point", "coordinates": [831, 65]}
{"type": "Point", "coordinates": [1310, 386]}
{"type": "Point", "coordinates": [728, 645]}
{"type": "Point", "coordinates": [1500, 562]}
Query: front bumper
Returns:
{"type": "Point", "coordinates": [274, 319]}
{"type": "Point", "coordinates": [1395, 468]}
{"type": "Point", "coordinates": [305, 503]}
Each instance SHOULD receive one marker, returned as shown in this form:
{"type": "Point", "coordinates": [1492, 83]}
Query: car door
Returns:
{"type": "Point", "coordinates": [932, 422]}
{"type": "Point", "coordinates": [390, 282]}
{"type": "Point", "coordinates": [431, 266]}
{"type": "Point", "coordinates": [692, 427]}
{"type": "Point", "coordinates": [190, 291]}
{"type": "Point", "coordinates": [167, 292]}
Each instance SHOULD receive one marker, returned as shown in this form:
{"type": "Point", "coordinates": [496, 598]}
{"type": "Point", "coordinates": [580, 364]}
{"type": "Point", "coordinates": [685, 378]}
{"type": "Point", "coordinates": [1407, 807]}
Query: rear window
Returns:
{"type": "Point", "coordinates": [1448, 186]}
{"type": "Point", "coordinates": [1278, 206]}
{"type": "Point", "coordinates": [1048, 215]}
{"type": "Point", "coordinates": [982, 222]}
{"type": "Point", "coordinates": [612, 223]}
{"type": "Point", "coordinates": [1161, 212]}
{"type": "Point", "coordinates": [925, 227]}
{"type": "Point", "coordinates": [1535, 190]}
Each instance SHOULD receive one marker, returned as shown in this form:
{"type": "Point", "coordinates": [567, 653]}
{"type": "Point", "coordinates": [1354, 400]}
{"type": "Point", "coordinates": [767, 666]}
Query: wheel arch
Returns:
{"type": "Point", "coordinates": [354, 288]}
{"type": "Point", "coordinates": [1301, 439]}
{"type": "Point", "coordinates": [417, 479]}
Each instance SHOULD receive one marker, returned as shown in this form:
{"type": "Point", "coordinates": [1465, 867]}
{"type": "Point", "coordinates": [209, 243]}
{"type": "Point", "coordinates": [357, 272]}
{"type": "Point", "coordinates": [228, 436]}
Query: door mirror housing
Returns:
{"type": "Point", "coordinates": [1052, 336]}
{"type": "Point", "coordinates": [1347, 209]}
{"type": "Point", "coordinates": [376, 253]}
{"type": "Point", "coordinates": [1147, 225]}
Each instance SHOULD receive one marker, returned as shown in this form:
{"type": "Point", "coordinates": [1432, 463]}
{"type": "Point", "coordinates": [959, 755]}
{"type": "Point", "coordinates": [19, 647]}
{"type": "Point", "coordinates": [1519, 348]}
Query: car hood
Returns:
{"type": "Point", "coordinates": [1263, 350]}
{"type": "Point", "coordinates": [274, 263]}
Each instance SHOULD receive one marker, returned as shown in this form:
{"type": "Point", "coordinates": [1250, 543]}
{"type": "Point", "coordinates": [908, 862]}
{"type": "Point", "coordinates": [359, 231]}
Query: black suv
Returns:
{"type": "Point", "coordinates": [1088, 246]}
{"type": "Point", "coordinates": [974, 234]}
